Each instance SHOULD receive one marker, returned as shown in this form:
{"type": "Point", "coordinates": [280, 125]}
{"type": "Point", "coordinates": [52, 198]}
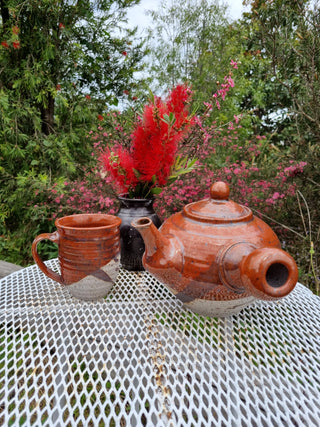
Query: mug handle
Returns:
{"type": "Point", "coordinates": [54, 237]}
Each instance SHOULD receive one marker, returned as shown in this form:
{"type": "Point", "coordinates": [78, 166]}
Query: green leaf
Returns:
{"type": "Point", "coordinates": [156, 190]}
{"type": "Point", "coordinates": [136, 172]}
{"type": "Point", "coordinates": [180, 167]}
{"type": "Point", "coordinates": [169, 119]}
{"type": "Point", "coordinates": [152, 98]}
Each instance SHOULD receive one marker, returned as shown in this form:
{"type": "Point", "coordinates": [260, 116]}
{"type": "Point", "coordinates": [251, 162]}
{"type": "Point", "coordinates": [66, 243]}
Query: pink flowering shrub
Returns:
{"type": "Point", "coordinates": [257, 175]}
{"type": "Point", "coordinates": [248, 183]}
{"type": "Point", "coordinates": [263, 185]}
{"type": "Point", "coordinates": [91, 194]}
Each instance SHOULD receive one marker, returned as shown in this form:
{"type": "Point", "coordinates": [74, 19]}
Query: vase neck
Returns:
{"type": "Point", "coordinates": [135, 203]}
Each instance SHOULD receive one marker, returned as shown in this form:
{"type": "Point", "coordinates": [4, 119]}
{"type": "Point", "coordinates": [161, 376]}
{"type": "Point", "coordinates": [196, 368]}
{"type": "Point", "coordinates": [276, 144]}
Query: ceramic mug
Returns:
{"type": "Point", "coordinates": [89, 253]}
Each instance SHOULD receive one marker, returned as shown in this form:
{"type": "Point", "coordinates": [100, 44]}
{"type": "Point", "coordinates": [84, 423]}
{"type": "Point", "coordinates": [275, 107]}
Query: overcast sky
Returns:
{"type": "Point", "coordinates": [137, 16]}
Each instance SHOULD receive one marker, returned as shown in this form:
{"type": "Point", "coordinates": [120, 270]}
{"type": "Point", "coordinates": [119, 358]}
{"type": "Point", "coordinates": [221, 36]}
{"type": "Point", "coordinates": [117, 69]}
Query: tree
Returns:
{"type": "Point", "coordinates": [49, 45]}
{"type": "Point", "coordinates": [186, 44]}
{"type": "Point", "coordinates": [285, 36]}
{"type": "Point", "coordinates": [62, 62]}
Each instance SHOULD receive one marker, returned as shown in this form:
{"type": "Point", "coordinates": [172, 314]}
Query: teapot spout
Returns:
{"type": "Point", "coordinates": [160, 252]}
{"type": "Point", "coordinates": [152, 238]}
{"type": "Point", "coordinates": [269, 273]}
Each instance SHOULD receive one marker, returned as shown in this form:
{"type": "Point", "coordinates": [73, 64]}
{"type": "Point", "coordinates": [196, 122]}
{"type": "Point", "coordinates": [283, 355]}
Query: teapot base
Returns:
{"type": "Point", "coordinates": [213, 307]}
{"type": "Point", "coordinates": [208, 308]}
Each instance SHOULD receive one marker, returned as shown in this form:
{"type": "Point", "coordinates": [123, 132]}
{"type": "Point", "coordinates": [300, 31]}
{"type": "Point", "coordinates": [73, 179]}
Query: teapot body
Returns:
{"type": "Point", "coordinates": [217, 257]}
{"type": "Point", "coordinates": [200, 278]}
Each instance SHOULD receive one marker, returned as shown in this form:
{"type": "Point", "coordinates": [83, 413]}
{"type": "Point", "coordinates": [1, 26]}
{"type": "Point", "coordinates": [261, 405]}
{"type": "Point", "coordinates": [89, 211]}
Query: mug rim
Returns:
{"type": "Point", "coordinates": [116, 221]}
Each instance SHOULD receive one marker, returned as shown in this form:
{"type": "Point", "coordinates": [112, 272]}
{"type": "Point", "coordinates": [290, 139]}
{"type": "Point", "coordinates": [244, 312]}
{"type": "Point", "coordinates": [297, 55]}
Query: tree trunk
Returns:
{"type": "Point", "coordinates": [47, 116]}
{"type": "Point", "coordinates": [4, 14]}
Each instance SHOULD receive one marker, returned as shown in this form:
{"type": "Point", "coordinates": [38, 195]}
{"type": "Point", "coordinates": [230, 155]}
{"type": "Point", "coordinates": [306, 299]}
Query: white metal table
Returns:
{"type": "Point", "coordinates": [138, 358]}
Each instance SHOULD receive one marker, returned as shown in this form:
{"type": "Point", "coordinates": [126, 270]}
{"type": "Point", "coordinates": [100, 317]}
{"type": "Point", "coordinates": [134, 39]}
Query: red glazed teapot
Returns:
{"type": "Point", "coordinates": [216, 256]}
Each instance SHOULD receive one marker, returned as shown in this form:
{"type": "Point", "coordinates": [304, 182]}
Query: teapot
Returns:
{"type": "Point", "coordinates": [216, 256]}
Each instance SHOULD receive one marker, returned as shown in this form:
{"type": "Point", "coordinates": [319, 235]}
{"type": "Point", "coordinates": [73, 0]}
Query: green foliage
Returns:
{"type": "Point", "coordinates": [67, 43]}
{"type": "Point", "coordinates": [186, 45]}
{"type": "Point", "coordinates": [181, 166]}
{"type": "Point", "coordinates": [61, 64]}
{"type": "Point", "coordinates": [193, 41]}
{"type": "Point", "coordinates": [284, 36]}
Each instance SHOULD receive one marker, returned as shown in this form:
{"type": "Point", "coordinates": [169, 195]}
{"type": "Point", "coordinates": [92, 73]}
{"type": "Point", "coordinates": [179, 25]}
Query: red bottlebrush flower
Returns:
{"type": "Point", "coordinates": [88, 97]}
{"type": "Point", "coordinates": [16, 44]}
{"type": "Point", "coordinates": [155, 142]}
{"type": "Point", "coordinates": [119, 163]}
{"type": "Point", "coordinates": [124, 53]}
{"type": "Point", "coordinates": [61, 25]}
{"type": "Point", "coordinates": [5, 44]}
{"type": "Point", "coordinates": [148, 141]}
{"type": "Point", "coordinates": [100, 117]}
{"type": "Point", "coordinates": [154, 145]}
{"type": "Point", "coordinates": [126, 92]}
{"type": "Point", "coordinates": [58, 87]}
{"type": "Point", "coordinates": [15, 30]}
{"type": "Point", "coordinates": [177, 101]}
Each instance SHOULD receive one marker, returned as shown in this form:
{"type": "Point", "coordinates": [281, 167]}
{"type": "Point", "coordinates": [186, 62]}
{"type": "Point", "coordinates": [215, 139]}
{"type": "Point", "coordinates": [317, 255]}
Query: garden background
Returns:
{"type": "Point", "coordinates": [74, 76]}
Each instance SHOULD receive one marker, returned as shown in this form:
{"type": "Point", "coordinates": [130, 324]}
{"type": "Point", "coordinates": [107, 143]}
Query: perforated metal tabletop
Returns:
{"type": "Point", "coordinates": [138, 358]}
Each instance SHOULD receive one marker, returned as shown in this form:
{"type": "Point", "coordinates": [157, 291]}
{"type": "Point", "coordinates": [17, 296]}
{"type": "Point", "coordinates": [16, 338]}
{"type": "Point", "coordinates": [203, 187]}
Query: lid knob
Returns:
{"type": "Point", "coordinates": [219, 191]}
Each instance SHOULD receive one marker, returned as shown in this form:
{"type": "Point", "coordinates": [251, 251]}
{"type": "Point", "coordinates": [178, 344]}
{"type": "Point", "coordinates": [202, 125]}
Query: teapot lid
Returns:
{"type": "Point", "coordinates": [218, 209]}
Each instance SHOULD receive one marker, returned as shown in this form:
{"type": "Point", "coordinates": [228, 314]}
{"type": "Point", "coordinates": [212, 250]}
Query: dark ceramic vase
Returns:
{"type": "Point", "coordinates": [132, 244]}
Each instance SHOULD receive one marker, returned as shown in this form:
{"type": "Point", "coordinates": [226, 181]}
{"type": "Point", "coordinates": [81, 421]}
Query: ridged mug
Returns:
{"type": "Point", "coordinates": [89, 253]}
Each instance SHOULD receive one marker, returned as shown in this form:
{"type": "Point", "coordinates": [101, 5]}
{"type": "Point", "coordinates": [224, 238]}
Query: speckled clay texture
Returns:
{"type": "Point", "coordinates": [97, 284]}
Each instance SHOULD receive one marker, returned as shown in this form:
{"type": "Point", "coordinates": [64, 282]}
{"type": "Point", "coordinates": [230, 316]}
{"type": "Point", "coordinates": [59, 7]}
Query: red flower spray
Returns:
{"type": "Point", "coordinates": [152, 161]}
